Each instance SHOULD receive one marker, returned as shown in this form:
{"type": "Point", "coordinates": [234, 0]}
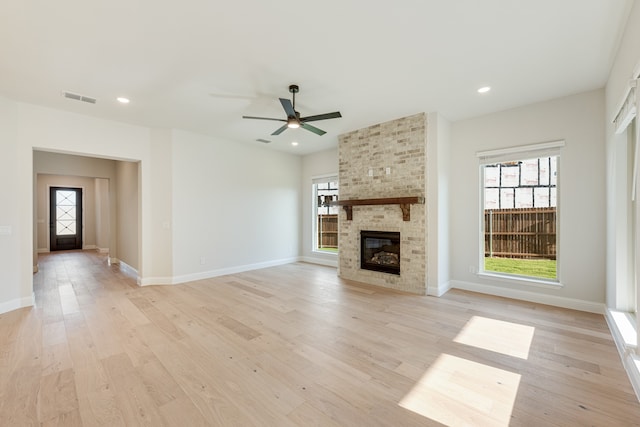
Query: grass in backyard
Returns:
{"type": "Point", "coordinates": [332, 250]}
{"type": "Point", "coordinates": [541, 268]}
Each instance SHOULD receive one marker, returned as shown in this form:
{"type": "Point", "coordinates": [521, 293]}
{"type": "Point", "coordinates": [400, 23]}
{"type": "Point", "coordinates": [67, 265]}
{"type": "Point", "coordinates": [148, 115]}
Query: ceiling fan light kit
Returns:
{"type": "Point", "coordinates": [293, 119]}
{"type": "Point", "coordinates": [292, 123]}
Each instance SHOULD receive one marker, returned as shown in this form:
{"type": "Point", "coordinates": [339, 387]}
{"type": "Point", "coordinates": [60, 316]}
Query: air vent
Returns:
{"type": "Point", "coordinates": [79, 97]}
{"type": "Point", "coordinates": [264, 141]}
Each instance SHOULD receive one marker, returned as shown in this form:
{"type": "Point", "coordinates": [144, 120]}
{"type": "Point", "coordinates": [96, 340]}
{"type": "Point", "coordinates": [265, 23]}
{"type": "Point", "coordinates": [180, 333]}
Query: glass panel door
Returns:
{"type": "Point", "coordinates": [65, 218]}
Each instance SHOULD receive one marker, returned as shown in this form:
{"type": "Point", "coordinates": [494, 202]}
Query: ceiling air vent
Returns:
{"type": "Point", "coordinates": [264, 141]}
{"type": "Point", "coordinates": [79, 97]}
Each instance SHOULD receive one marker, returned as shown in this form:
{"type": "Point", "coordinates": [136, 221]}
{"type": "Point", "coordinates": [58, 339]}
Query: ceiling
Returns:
{"type": "Point", "coordinates": [200, 65]}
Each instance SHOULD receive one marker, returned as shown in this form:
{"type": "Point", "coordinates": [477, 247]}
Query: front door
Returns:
{"type": "Point", "coordinates": [65, 219]}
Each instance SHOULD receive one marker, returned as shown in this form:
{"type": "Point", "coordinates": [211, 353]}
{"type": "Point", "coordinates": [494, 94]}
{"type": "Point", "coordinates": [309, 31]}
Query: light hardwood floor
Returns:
{"type": "Point", "coordinates": [295, 346]}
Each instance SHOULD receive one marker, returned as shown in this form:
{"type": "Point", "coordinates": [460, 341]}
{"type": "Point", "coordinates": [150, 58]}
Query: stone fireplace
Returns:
{"type": "Point", "coordinates": [387, 160]}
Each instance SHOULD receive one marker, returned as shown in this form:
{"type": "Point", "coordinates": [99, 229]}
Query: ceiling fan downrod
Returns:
{"type": "Point", "coordinates": [294, 89]}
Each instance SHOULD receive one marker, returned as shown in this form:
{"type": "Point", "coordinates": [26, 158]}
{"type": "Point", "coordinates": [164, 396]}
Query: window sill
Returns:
{"type": "Point", "coordinates": [541, 283]}
{"type": "Point", "coordinates": [626, 328]}
{"type": "Point", "coordinates": [316, 251]}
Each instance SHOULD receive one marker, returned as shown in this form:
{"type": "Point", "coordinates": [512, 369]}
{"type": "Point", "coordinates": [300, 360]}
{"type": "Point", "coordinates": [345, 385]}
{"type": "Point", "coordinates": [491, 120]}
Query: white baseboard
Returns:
{"type": "Point", "coordinates": [574, 304]}
{"type": "Point", "coordinates": [145, 281]}
{"type": "Point", "coordinates": [17, 303]}
{"type": "Point", "coordinates": [112, 260]}
{"type": "Point", "coordinates": [127, 269]}
{"type": "Point", "coordinates": [102, 250]}
{"type": "Point", "coordinates": [35, 269]}
{"type": "Point", "coordinates": [320, 261]}
{"type": "Point", "coordinates": [42, 250]}
{"type": "Point", "coordinates": [634, 374]}
{"type": "Point", "coordinates": [89, 247]}
{"type": "Point", "coordinates": [439, 290]}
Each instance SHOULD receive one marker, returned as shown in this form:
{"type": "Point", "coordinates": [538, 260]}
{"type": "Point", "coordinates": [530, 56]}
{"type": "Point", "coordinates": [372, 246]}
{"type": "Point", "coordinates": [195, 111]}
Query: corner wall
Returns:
{"type": "Point", "coordinates": [578, 120]}
{"type": "Point", "coordinates": [235, 207]}
{"type": "Point", "coordinates": [213, 200]}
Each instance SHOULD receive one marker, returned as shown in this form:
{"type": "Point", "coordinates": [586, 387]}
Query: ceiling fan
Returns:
{"type": "Point", "coordinates": [293, 119]}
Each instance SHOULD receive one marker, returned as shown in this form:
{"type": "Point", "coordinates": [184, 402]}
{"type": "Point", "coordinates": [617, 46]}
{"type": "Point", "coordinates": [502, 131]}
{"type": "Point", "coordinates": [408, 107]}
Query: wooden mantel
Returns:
{"type": "Point", "coordinates": [404, 202]}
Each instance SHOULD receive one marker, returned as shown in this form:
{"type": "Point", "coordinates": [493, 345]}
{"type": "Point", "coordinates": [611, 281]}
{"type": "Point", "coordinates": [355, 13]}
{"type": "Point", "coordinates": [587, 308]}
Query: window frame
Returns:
{"type": "Point", "coordinates": [512, 154]}
{"type": "Point", "coordinates": [320, 179]}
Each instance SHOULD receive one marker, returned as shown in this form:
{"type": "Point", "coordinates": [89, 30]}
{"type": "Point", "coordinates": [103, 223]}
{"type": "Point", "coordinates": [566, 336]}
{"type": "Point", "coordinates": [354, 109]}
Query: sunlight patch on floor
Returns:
{"type": "Point", "coordinates": [506, 338]}
{"type": "Point", "coordinates": [459, 392]}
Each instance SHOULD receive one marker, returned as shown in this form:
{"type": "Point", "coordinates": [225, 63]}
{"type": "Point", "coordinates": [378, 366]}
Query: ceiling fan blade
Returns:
{"type": "Point", "coordinates": [263, 118]}
{"type": "Point", "coordinates": [288, 107]}
{"type": "Point", "coordinates": [280, 129]}
{"type": "Point", "coordinates": [312, 129]}
{"type": "Point", "coordinates": [326, 116]}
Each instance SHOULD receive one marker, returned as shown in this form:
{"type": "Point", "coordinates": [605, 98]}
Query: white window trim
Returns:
{"type": "Point", "coordinates": [527, 280]}
{"type": "Point", "coordinates": [487, 157]}
{"type": "Point", "coordinates": [542, 149]}
{"type": "Point", "coordinates": [319, 179]}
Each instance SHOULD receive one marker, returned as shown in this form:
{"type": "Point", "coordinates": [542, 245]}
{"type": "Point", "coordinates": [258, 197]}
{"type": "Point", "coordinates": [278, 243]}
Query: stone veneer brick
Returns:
{"type": "Point", "coordinates": [400, 145]}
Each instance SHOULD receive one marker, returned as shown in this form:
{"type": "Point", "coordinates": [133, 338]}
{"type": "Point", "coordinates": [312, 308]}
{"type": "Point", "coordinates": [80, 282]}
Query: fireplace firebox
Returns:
{"type": "Point", "coordinates": [380, 251]}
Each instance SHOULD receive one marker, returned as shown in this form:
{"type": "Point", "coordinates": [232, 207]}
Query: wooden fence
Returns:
{"type": "Point", "coordinates": [328, 231]}
{"type": "Point", "coordinates": [520, 233]}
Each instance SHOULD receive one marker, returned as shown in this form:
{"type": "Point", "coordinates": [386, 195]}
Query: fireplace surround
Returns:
{"type": "Point", "coordinates": [385, 161]}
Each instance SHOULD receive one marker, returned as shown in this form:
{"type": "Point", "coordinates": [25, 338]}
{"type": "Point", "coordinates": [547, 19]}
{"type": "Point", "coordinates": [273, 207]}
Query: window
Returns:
{"type": "Point", "coordinates": [325, 190]}
{"type": "Point", "coordinates": [519, 211]}
{"type": "Point", "coordinates": [625, 209]}
{"type": "Point", "coordinates": [627, 222]}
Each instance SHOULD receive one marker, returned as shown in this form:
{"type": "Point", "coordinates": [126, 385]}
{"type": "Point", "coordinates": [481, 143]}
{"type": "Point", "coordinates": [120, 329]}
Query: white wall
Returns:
{"type": "Point", "coordinates": [15, 242]}
{"type": "Point", "coordinates": [103, 215]}
{"type": "Point", "coordinates": [437, 198]}
{"type": "Point", "coordinates": [579, 121]}
{"type": "Point", "coordinates": [315, 165]}
{"type": "Point", "coordinates": [127, 224]}
{"type": "Point", "coordinates": [235, 206]}
{"type": "Point", "coordinates": [160, 215]}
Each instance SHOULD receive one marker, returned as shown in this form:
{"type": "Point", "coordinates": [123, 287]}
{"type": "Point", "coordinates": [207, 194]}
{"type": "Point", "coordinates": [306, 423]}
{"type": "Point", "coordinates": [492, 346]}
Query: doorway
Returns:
{"type": "Point", "coordinates": [65, 223]}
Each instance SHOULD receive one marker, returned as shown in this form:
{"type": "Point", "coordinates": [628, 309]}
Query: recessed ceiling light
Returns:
{"type": "Point", "coordinates": [294, 143]}
{"type": "Point", "coordinates": [484, 89]}
{"type": "Point", "coordinates": [123, 100]}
